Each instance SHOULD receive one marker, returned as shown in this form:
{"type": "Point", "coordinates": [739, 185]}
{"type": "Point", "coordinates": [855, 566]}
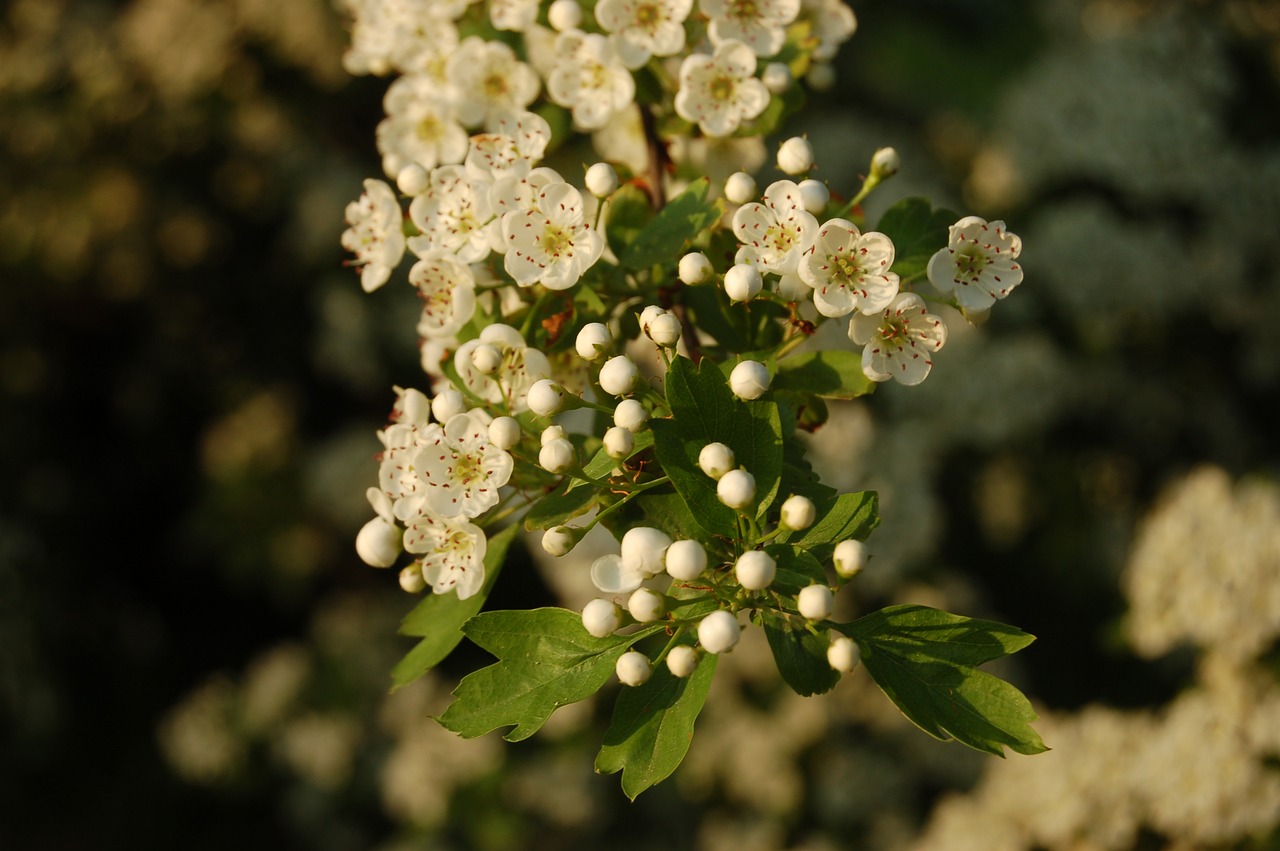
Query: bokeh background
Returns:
{"type": "Point", "coordinates": [191, 655]}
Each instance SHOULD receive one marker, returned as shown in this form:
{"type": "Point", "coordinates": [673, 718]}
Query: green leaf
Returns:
{"type": "Point", "coordinates": [626, 216]}
{"type": "Point", "coordinates": [682, 219]}
{"type": "Point", "coordinates": [653, 725]}
{"type": "Point", "coordinates": [545, 660]}
{"type": "Point", "coordinates": [801, 656]}
{"type": "Point", "coordinates": [797, 568]}
{"type": "Point", "coordinates": [922, 660]}
{"type": "Point", "coordinates": [835, 374]}
{"type": "Point", "coordinates": [714, 314]}
{"type": "Point", "coordinates": [917, 231]}
{"type": "Point", "coordinates": [704, 410]}
{"type": "Point", "coordinates": [850, 515]}
{"type": "Point", "coordinates": [601, 464]}
{"type": "Point", "coordinates": [438, 618]}
{"type": "Point", "coordinates": [669, 513]}
{"type": "Point", "coordinates": [563, 503]}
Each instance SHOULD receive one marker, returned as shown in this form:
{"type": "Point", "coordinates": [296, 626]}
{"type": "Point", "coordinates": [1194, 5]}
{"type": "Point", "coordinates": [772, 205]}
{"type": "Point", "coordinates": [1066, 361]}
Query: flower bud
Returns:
{"type": "Point", "coordinates": [798, 512]}
{"type": "Point", "coordinates": [608, 575]}
{"type": "Point", "coordinates": [504, 432]}
{"type": "Point", "coordinates": [600, 618]}
{"type": "Point", "coordinates": [665, 331]}
{"type": "Point", "coordinates": [618, 375]}
{"type": "Point", "coordinates": [646, 605]}
{"type": "Point", "coordinates": [413, 179]}
{"type": "Point", "coordinates": [815, 602]}
{"type": "Point", "coordinates": [718, 632]}
{"type": "Point", "coordinates": [412, 406]}
{"type": "Point", "coordinates": [564, 15]}
{"type": "Point", "coordinates": [743, 282]}
{"type": "Point", "coordinates": [736, 489]}
{"type": "Point", "coordinates": [715, 460]}
{"type": "Point", "coordinates": [553, 432]}
{"type": "Point", "coordinates": [776, 77]}
{"type": "Point", "coordinates": [849, 557]}
{"type": "Point", "coordinates": [740, 188]}
{"type": "Point", "coordinates": [685, 560]}
{"type": "Point", "coordinates": [556, 456]}
{"type": "Point", "coordinates": [795, 156]}
{"type": "Point", "coordinates": [749, 380]}
{"type": "Point", "coordinates": [447, 404]}
{"type": "Point", "coordinates": [885, 163]}
{"type": "Point", "coordinates": [631, 415]}
{"type": "Point", "coordinates": [682, 661]}
{"type": "Point", "coordinates": [633, 668]}
{"type": "Point", "coordinates": [486, 358]}
{"type": "Point", "coordinates": [559, 540]}
{"type": "Point", "coordinates": [821, 76]}
{"type": "Point", "coordinates": [695, 268]}
{"type": "Point", "coordinates": [546, 397]}
{"type": "Point", "coordinates": [843, 654]}
{"type": "Point", "coordinates": [593, 340]}
{"type": "Point", "coordinates": [618, 442]}
{"type": "Point", "coordinates": [643, 548]}
{"type": "Point", "coordinates": [650, 313]}
{"type": "Point", "coordinates": [755, 570]}
{"type": "Point", "coordinates": [814, 194]}
{"type": "Point", "coordinates": [412, 580]}
{"type": "Point", "coordinates": [601, 180]}
{"type": "Point", "coordinates": [378, 543]}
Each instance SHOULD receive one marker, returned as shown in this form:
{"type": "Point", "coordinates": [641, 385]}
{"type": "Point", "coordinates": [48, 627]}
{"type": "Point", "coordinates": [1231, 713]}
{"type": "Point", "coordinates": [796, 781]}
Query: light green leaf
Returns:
{"type": "Point", "coordinates": [921, 659]}
{"type": "Point", "coordinates": [850, 515]}
{"type": "Point", "coordinates": [917, 231]}
{"type": "Point", "coordinates": [438, 618]}
{"type": "Point", "coordinates": [797, 568]}
{"type": "Point", "coordinates": [626, 216]}
{"type": "Point", "coordinates": [653, 725]}
{"type": "Point", "coordinates": [663, 239]}
{"type": "Point", "coordinates": [835, 374]}
{"type": "Point", "coordinates": [602, 465]}
{"type": "Point", "coordinates": [546, 659]}
{"type": "Point", "coordinates": [563, 503]}
{"type": "Point", "coordinates": [801, 656]}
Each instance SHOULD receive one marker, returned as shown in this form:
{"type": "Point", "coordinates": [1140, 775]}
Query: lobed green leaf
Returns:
{"type": "Point", "coordinates": [917, 231]}
{"type": "Point", "coordinates": [561, 504]}
{"type": "Point", "coordinates": [850, 515]}
{"type": "Point", "coordinates": [800, 655]}
{"type": "Point", "coordinates": [835, 374]}
{"type": "Point", "coordinates": [665, 236]}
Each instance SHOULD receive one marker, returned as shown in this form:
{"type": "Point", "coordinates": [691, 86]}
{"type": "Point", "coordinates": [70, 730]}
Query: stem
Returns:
{"type": "Point", "coordinates": [632, 495]}
{"type": "Point", "coordinates": [869, 183]}
{"type": "Point", "coordinates": [658, 160]}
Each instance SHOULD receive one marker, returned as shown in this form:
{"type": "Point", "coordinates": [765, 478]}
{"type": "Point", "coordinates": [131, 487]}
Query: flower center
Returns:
{"type": "Point", "coordinates": [970, 263]}
{"type": "Point", "coordinates": [744, 9]}
{"type": "Point", "coordinates": [648, 16]}
{"type": "Point", "coordinates": [556, 240]}
{"type": "Point", "coordinates": [721, 88]}
{"type": "Point", "coordinates": [429, 129]}
{"type": "Point", "coordinates": [495, 86]}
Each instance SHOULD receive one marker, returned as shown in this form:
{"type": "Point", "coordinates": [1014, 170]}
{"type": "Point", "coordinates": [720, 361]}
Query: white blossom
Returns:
{"type": "Point", "coordinates": [489, 79]}
{"type": "Point", "coordinates": [452, 551]}
{"type": "Point", "coordinates": [979, 263]}
{"type": "Point", "coordinates": [375, 234]}
{"type": "Point", "coordinates": [552, 244]}
{"type": "Point", "coordinates": [719, 92]}
{"type": "Point", "coordinates": [461, 469]}
{"type": "Point", "coordinates": [447, 290]}
{"type": "Point", "coordinates": [899, 342]}
{"type": "Point", "coordinates": [644, 28]}
{"type": "Point", "coordinates": [849, 270]}
{"type": "Point", "coordinates": [520, 367]}
{"type": "Point", "coordinates": [421, 126]}
{"type": "Point", "coordinates": [776, 233]}
{"type": "Point", "coordinates": [589, 79]}
{"type": "Point", "coordinates": [833, 24]}
{"type": "Point", "coordinates": [513, 15]}
{"type": "Point", "coordinates": [759, 24]}
{"type": "Point", "coordinates": [452, 214]}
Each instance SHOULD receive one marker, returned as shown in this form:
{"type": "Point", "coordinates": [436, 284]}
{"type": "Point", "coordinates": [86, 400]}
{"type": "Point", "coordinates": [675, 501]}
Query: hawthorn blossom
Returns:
{"type": "Point", "coordinates": [776, 233]}
{"type": "Point", "coordinates": [719, 92]}
{"type": "Point", "coordinates": [460, 469]}
{"type": "Point", "coordinates": [513, 15]}
{"type": "Point", "coordinates": [552, 244]}
{"type": "Point", "coordinates": [849, 270]}
{"type": "Point", "coordinates": [451, 214]}
{"type": "Point", "coordinates": [452, 551]}
{"type": "Point", "coordinates": [375, 234]}
{"type": "Point", "coordinates": [448, 292]}
{"type": "Point", "coordinates": [398, 476]}
{"type": "Point", "coordinates": [899, 341]}
{"type": "Point", "coordinates": [488, 79]}
{"type": "Point", "coordinates": [421, 126]}
{"type": "Point", "coordinates": [512, 193]}
{"type": "Point", "coordinates": [759, 24]}
{"type": "Point", "coordinates": [644, 28]}
{"type": "Point", "coordinates": [519, 368]}
{"type": "Point", "coordinates": [513, 144]}
{"type": "Point", "coordinates": [833, 23]}
{"type": "Point", "coordinates": [979, 263]}
{"type": "Point", "coordinates": [589, 79]}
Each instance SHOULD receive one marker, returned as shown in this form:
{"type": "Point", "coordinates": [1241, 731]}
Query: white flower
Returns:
{"type": "Point", "coordinates": [589, 79]}
{"type": "Point", "coordinates": [610, 577]}
{"type": "Point", "coordinates": [755, 570]}
{"type": "Point", "coordinates": [643, 548]}
{"type": "Point", "coordinates": [743, 282]}
{"type": "Point", "coordinates": [646, 605]}
{"type": "Point", "coordinates": [631, 415]}
{"type": "Point", "coordinates": [560, 540]}
{"type": "Point", "coordinates": [760, 24]}
{"type": "Point", "coordinates": [513, 15]}
{"type": "Point", "coordinates": [504, 432]}
{"type": "Point", "coordinates": [644, 28]}
{"type": "Point", "coordinates": [815, 194]}
{"type": "Point", "coordinates": [553, 244]}
{"type": "Point", "coordinates": [979, 263]}
{"type": "Point", "coordinates": [720, 91]}
{"type": "Point", "coordinates": [462, 469]}
{"type": "Point", "coordinates": [815, 602]}
{"type": "Point", "coordinates": [776, 233]}
{"type": "Point", "coordinates": [398, 474]}
{"type": "Point", "coordinates": [376, 234]}
{"type": "Point", "coordinates": [452, 551]}
{"type": "Point", "coordinates": [833, 23]}
{"type": "Point", "coordinates": [740, 187]}
{"type": "Point", "coordinates": [557, 456]}
{"type": "Point", "coordinates": [546, 397]}
{"type": "Point", "coordinates": [618, 442]}
{"type": "Point", "coordinates": [452, 213]}
{"type": "Point", "coordinates": [849, 270]}
{"type": "Point", "coordinates": [514, 143]}
{"type": "Point", "coordinates": [448, 292]}
{"type": "Point", "coordinates": [900, 341]}
{"type": "Point", "coordinates": [601, 180]}
{"type": "Point", "coordinates": [564, 15]}
{"type": "Point", "coordinates": [795, 155]}
{"type": "Point", "coordinates": [618, 375]}
{"type": "Point", "coordinates": [489, 79]}
{"type": "Point", "coordinates": [695, 268]}
{"type": "Point", "coordinates": [519, 368]}
{"type": "Point", "coordinates": [421, 126]}
{"type": "Point", "coordinates": [592, 340]}
{"type": "Point", "coordinates": [517, 194]}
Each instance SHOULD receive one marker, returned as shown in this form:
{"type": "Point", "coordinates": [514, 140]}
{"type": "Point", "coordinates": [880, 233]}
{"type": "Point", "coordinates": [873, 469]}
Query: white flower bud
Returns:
{"type": "Point", "coordinates": [564, 15]}
{"type": "Point", "coordinates": [815, 602]}
{"type": "Point", "coordinates": [504, 432]}
{"type": "Point", "coordinates": [755, 570]}
{"type": "Point", "coordinates": [749, 380]}
{"type": "Point", "coordinates": [412, 580]}
{"type": "Point", "coordinates": [715, 460]}
{"type": "Point", "coordinates": [798, 512]}
{"type": "Point", "coordinates": [631, 415]}
{"type": "Point", "coordinates": [646, 605]}
{"type": "Point", "coordinates": [776, 77]}
{"type": "Point", "coordinates": [814, 194]}
{"type": "Point", "coordinates": [553, 432]}
{"type": "Point", "coordinates": [795, 156]}
{"type": "Point", "coordinates": [885, 163]}
{"type": "Point", "coordinates": [743, 282]}
{"type": "Point", "coordinates": [682, 661]}
{"type": "Point", "coordinates": [849, 557]}
{"type": "Point", "coordinates": [556, 456]}
{"type": "Point", "coordinates": [643, 548]}
{"type": "Point", "coordinates": [718, 632]}
{"type": "Point", "coordinates": [821, 76]}
{"type": "Point", "coordinates": [593, 340]}
{"type": "Point", "coordinates": [447, 404]}
{"type": "Point", "coordinates": [843, 654]}
{"type": "Point", "coordinates": [559, 540]}
{"type": "Point", "coordinates": [695, 268]}
{"type": "Point", "coordinates": [618, 375]}
{"type": "Point", "coordinates": [740, 188]}
{"type": "Point", "coordinates": [736, 489]}
{"type": "Point", "coordinates": [685, 560]}
{"type": "Point", "coordinates": [618, 442]}
{"type": "Point", "coordinates": [378, 543]}
{"type": "Point", "coordinates": [600, 618]}
{"type": "Point", "coordinates": [601, 180]}
{"type": "Point", "coordinates": [665, 330]}
{"type": "Point", "coordinates": [546, 397]}
{"type": "Point", "coordinates": [413, 179]}
{"type": "Point", "coordinates": [650, 313]}
{"type": "Point", "coordinates": [793, 288]}
{"type": "Point", "coordinates": [609, 577]}
{"type": "Point", "coordinates": [412, 406]}
{"type": "Point", "coordinates": [486, 358]}
{"type": "Point", "coordinates": [633, 668]}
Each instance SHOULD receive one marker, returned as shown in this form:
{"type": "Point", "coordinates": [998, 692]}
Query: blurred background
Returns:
{"type": "Point", "coordinates": [192, 656]}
